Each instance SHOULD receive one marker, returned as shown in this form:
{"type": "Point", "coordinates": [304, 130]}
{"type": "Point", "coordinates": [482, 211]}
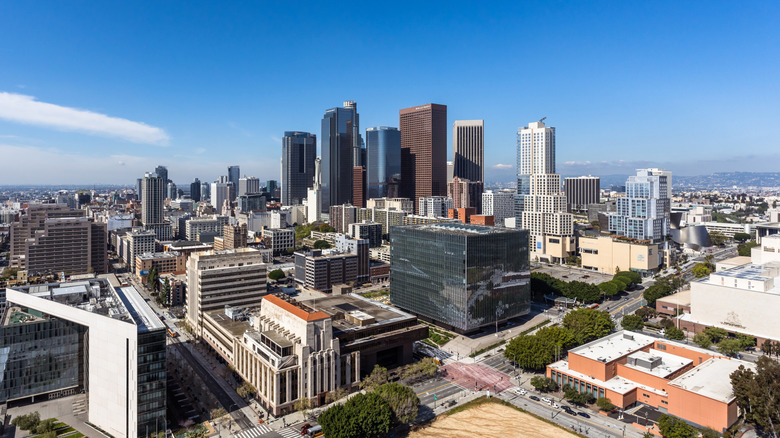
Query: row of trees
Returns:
{"type": "Point", "coordinates": [620, 282]}
{"type": "Point", "coordinates": [535, 352]}
{"type": "Point", "coordinates": [664, 286]}
{"type": "Point", "coordinates": [371, 414]}
{"type": "Point", "coordinates": [546, 284]}
{"type": "Point", "coordinates": [728, 345]}
{"type": "Point", "coordinates": [758, 394]}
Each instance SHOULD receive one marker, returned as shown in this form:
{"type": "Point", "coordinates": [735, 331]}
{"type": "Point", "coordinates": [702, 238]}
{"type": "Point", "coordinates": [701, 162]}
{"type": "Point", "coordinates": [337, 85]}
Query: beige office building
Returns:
{"type": "Point", "coordinates": [606, 255]}
{"type": "Point", "coordinates": [215, 279]}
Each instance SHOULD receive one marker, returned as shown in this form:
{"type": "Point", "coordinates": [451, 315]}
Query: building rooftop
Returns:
{"type": "Point", "coordinates": [682, 298]}
{"type": "Point", "coordinates": [297, 308]}
{"type": "Point", "coordinates": [711, 378]}
{"type": "Point", "coordinates": [461, 229]}
{"type": "Point", "coordinates": [158, 255]}
{"type": "Point", "coordinates": [347, 311]}
{"type": "Point", "coordinates": [657, 363]}
{"type": "Point", "coordinates": [185, 244]}
{"type": "Point", "coordinates": [102, 296]}
{"type": "Point", "coordinates": [234, 326]}
{"type": "Point", "coordinates": [734, 261]}
{"type": "Point", "coordinates": [614, 346]}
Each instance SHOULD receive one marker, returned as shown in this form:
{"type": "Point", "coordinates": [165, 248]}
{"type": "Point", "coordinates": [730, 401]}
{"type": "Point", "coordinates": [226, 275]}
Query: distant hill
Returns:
{"type": "Point", "coordinates": [722, 180]}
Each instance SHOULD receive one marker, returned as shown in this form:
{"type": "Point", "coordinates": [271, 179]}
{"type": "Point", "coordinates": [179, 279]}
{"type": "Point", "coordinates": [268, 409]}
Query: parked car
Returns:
{"type": "Point", "coordinates": [533, 397]}
{"type": "Point", "coordinates": [555, 405]}
{"type": "Point", "coordinates": [546, 400]}
{"type": "Point", "coordinates": [583, 414]}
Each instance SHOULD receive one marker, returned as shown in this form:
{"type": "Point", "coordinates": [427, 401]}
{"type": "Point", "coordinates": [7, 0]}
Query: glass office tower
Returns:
{"type": "Point", "coordinates": [340, 144]}
{"type": "Point", "coordinates": [383, 167]}
{"type": "Point", "coordinates": [299, 150]}
{"type": "Point", "coordinates": [462, 276]}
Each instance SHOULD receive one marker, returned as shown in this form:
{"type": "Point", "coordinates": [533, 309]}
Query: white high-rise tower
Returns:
{"type": "Point", "coordinates": [540, 205]}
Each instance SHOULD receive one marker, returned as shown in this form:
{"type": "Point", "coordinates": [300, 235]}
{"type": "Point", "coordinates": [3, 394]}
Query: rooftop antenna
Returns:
{"type": "Point", "coordinates": [542, 119]}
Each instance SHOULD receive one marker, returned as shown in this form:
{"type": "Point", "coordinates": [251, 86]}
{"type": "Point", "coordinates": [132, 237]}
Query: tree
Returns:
{"type": "Point", "coordinates": [402, 400]}
{"type": "Point", "coordinates": [544, 384]}
{"type": "Point", "coordinates": [621, 283]}
{"type": "Point", "coordinates": [631, 276]}
{"type": "Point", "coordinates": [744, 249]}
{"type": "Point", "coordinates": [27, 422]}
{"type": "Point", "coordinates": [702, 340]}
{"type": "Point", "coordinates": [322, 244]}
{"type": "Point", "coordinates": [576, 397]}
{"type": "Point", "coordinates": [673, 427]}
{"type": "Point", "coordinates": [730, 346]}
{"type": "Point", "coordinates": [419, 370]}
{"type": "Point", "coordinates": [560, 336]}
{"type": "Point", "coordinates": [767, 347]}
{"type": "Point", "coordinates": [609, 288]}
{"type": "Point", "coordinates": [741, 237]}
{"type": "Point", "coordinates": [217, 413]}
{"type": "Point", "coordinates": [715, 334]}
{"type": "Point", "coordinates": [152, 278]}
{"type": "Point", "coordinates": [645, 313]}
{"type": "Point", "coordinates": [632, 322]}
{"type": "Point", "coordinates": [588, 324]}
{"type": "Point", "coordinates": [377, 377]}
{"type": "Point", "coordinates": [303, 404]}
{"type": "Point", "coordinates": [701, 270]}
{"type": "Point", "coordinates": [656, 291]}
{"type": "Point", "coordinates": [758, 394]}
{"type": "Point", "coordinates": [746, 341]}
{"type": "Point", "coordinates": [605, 404]}
{"type": "Point", "coordinates": [674, 334]}
{"type": "Point", "coordinates": [246, 390]}
{"type": "Point", "coordinates": [165, 292]}
{"type": "Point", "coordinates": [530, 352]}
{"type": "Point", "coordinates": [325, 228]}
{"type": "Point", "coordinates": [709, 433]}
{"type": "Point", "coordinates": [717, 238]}
{"type": "Point", "coordinates": [277, 274]}
{"type": "Point", "coordinates": [336, 394]}
{"type": "Point", "coordinates": [364, 415]}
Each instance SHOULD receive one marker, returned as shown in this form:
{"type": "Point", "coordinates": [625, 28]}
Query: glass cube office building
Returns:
{"type": "Point", "coordinates": [462, 276]}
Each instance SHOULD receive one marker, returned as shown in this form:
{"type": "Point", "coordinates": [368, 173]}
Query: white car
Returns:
{"type": "Point", "coordinates": [555, 405]}
{"type": "Point", "coordinates": [519, 391]}
{"type": "Point", "coordinates": [546, 400]}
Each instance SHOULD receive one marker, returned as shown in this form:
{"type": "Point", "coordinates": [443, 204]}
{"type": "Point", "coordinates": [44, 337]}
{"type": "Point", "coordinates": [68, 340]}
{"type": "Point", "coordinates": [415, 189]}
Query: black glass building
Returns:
{"type": "Point", "coordinates": [341, 142]}
{"type": "Point", "coordinates": [299, 150]}
{"type": "Point", "coordinates": [462, 276]}
{"type": "Point", "coordinates": [383, 166]}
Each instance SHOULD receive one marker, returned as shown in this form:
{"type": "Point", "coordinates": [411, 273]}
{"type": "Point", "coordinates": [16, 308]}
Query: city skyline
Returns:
{"type": "Point", "coordinates": [87, 89]}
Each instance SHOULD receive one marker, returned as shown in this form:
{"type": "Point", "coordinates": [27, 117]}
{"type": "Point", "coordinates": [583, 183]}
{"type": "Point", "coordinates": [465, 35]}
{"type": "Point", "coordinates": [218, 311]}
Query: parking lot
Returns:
{"type": "Point", "coordinates": [569, 273]}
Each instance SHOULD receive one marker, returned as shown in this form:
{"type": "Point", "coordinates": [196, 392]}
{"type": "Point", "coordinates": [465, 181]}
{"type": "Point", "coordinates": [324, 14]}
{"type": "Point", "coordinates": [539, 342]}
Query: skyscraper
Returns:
{"type": "Point", "coordinates": [153, 194]}
{"type": "Point", "coordinates": [234, 173]}
{"type": "Point", "coordinates": [162, 172]}
{"type": "Point", "coordinates": [340, 146]}
{"type": "Point", "coordinates": [138, 183]}
{"type": "Point", "coordinates": [359, 186]}
{"type": "Point", "coordinates": [220, 192]}
{"type": "Point", "coordinates": [423, 151]}
{"type": "Point", "coordinates": [581, 191]}
{"type": "Point", "coordinates": [541, 204]}
{"type": "Point", "coordinates": [195, 190]}
{"type": "Point", "coordinates": [644, 213]}
{"type": "Point", "coordinates": [383, 163]}
{"type": "Point", "coordinates": [299, 150]}
{"type": "Point", "coordinates": [171, 191]}
{"type": "Point", "coordinates": [248, 185]}
{"type": "Point", "coordinates": [314, 194]}
{"type": "Point", "coordinates": [468, 149]}
{"type": "Point", "coordinates": [205, 191]}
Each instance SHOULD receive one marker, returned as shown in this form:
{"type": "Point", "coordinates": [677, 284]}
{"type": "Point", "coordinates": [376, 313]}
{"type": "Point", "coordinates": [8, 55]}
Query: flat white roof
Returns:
{"type": "Point", "coordinates": [617, 384]}
{"type": "Point", "coordinates": [682, 298]}
{"type": "Point", "coordinates": [711, 378]}
{"type": "Point", "coordinates": [613, 346]}
{"type": "Point", "coordinates": [669, 363]}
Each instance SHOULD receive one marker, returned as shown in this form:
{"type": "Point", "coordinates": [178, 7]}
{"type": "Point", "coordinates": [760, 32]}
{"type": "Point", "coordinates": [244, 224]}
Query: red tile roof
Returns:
{"type": "Point", "coordinates": [295, 310]}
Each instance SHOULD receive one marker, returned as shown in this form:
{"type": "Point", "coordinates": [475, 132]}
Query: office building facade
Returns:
{"type": "Point", "coordinates": [499, 204]}
{"type": "Point", "coordinates": [465, 193]}
{"type": "Point", "coordinates": [383, 162]}
{"type": "Point", "coordinates": [462, 276]}
{"type": "Point", "coordinates": [195, 190]}
{"type": "Point", "coordinates": [341, 141]}
{"type": "Point", "coordinates": [153, 195]}
{"type": "Point", "coordinates": [434, 206]}
{"type": "Point", "coordinates": [321, 270]}
{"type": "Point", "coordinates": [581, 192]}
{"type": "Point", "coordinates": [248, 185]}
{"type": "Point", "coordinates": [423, 151]}
{"type": "Point", "coordinates": [371, 231]}
{"type": "Point", "coordinates": [468, 149]}
{"type": "Point", "coordinates": [299, 151]}
{"type": "Point", "coordinates": [234, 174]}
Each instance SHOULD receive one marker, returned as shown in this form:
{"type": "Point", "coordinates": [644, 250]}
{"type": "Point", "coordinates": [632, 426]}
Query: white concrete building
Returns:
{"type": "Point", "coordinates": [499, 204]}
{"type": "Point", "coordinates": [279, 239]}
{"type": "Point", "coordinates": [434, 206]}
{"type": "Point", "coordinates": [95, 329]}
{"type": "Point", "coordinates": [644, 213]}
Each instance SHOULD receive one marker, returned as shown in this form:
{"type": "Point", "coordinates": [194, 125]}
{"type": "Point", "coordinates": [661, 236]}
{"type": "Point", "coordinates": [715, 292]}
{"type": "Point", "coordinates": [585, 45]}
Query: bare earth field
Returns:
{"type": "Point", "coordinates": [489, 420]}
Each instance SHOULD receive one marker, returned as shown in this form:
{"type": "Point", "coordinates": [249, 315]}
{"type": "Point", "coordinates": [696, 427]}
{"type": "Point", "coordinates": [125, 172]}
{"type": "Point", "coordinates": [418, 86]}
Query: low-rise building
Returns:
{"type": "Point", "coordinates": [187, 248]}
{"type": "Point", "coordinates": [169, 262]}
{"type": "Point", "coordinates": [607, 254]}
{"type": "Point", "coordinates": [320, 270]}
{"type": "Point", "coordinates": [632, 368]}
{"type": "Point", "coordinates": [481, 219]}
{"type": "Point", "coordinates": [279, 239]}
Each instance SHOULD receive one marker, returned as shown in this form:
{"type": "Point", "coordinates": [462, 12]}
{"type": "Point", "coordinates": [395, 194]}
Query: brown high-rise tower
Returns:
{"type": "Point", "coordinates": [423, 151]}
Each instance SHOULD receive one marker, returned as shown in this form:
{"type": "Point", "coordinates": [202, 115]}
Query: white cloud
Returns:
{"type": "Point", "coordinates": [25, 109]}
{"type": "Point", "coordinates": [503, 166]}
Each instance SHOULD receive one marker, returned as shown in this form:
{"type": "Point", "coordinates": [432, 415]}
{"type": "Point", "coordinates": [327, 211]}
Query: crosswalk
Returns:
{"type": "Point", "coordinates": [258, 431]}
{"type": "Point", "coordinates": [254, 432]}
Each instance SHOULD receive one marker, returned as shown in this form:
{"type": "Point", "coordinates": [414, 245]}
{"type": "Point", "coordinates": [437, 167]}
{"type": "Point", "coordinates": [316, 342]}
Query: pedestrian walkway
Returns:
{"type": "Point", "coordinates": [254, 432]}
{"type": "Point", "coordinates": [289, 433]}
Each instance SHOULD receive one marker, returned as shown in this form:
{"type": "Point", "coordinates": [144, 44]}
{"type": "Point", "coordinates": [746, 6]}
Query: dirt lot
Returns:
{"type": "Point", "coordinates": [489, 420]}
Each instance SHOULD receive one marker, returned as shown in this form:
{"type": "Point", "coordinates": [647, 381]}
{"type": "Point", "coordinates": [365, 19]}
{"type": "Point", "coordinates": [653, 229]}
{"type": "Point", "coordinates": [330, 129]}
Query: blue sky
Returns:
{"type": "Point", "coordinates": [99, 92]}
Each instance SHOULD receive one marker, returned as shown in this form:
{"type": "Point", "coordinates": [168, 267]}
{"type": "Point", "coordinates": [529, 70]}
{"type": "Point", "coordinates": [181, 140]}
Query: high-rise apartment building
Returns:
{"type": "Point", "coordinates": [581, 192]}
{"type": "Point", "coordinates": [31, 220]}
{"type": "Point", "coordinates": [195, 190]}
{"type": "Point", "coordinates": [462, 276]}
{"type": "Point", "coordinates": [403, 204]}
{"type": "Point", "coordinates": [220, 192]}
{"type": "Point", "coordinates": [215, 279]}
{"type": "Point", "coordinates": [499, 204]}
{"type": "Point", "coordinates": [171, 192]}
{"type": "Point", "coordinates": [468, 149]}
{"type": "Point", "coordinates": [434, 206]}
{"type": "Point", "coordinates": [341, 143]}
{"type": "Point", "coordinates": [138, 183]}
{"type": "Point", "coordinates": [423, 151]}
{"type": "Point", "coordinates": [465, 193]}
{"type": "Point", "coordinates": [383, 162]}
{"type": "Point", "coordinates": [153, 189]}
{"type": "Point", "coordinates": [299, 150]}
{"type": "Point", "coordinates": [367, 230]}
{"type": "Point", "coordinates": [234, 174]}
{"type": "Point", "coordinates": [340, 216]}
{"type": "Point", "coordinates": [248, 186]}
{"type": "Point", "coordinates": [645, 212]}
{"type": "Point", "coordinates": [314, 194]}
{"type": "Point", "coordinates": [540, 204]}
{"type": "Point", "coordinates": [205, 191]}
